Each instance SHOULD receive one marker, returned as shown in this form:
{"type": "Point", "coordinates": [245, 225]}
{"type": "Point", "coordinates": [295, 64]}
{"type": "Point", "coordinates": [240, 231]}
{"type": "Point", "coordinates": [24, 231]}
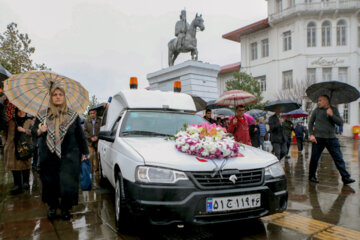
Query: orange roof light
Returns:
{"type": "Point", "coordinates": [133, 83]}
{"type": "Point", "coordinates": [177, 86]}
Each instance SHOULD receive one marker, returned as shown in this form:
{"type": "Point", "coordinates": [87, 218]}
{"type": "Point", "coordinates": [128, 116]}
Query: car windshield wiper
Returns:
{"type": "Point", "coordinates": [147, 133]}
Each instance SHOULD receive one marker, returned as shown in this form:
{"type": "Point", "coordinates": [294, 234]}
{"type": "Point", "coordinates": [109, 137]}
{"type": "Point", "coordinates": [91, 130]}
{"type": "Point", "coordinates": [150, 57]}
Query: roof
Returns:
{"type": "Point", "coordinates": [254, 27]}
{"type": "Point", "coordinates": [230, 68]}
{"type": "Point", "coordinates": [142, 99]}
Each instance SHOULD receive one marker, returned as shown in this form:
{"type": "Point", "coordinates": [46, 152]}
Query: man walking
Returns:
{"type": "Point", "coordinates": [277, 136]}
{"type": "Point", "coordinates": [288, 128]}
{"type": "Point", "coordinates": [262, 128]}
{"type": "Point", "coordinates": [239, 127]}
{"type": "Point", "coordinates": [91, 130]}
{"type": "Point", "coordinates": [299, 133]}
{"type": "Point", "coordinates": [322, 134]}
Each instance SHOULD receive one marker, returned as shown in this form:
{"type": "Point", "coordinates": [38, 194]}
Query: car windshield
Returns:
{"type": "Point", "coordinates": [152, 123]}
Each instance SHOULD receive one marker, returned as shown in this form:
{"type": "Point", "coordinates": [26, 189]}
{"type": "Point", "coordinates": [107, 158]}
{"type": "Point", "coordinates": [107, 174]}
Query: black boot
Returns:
{"type": "Point", "coordinates": [65, 214]}
{"type": "Point", "coordinates": [17, 189]}
{"type": "Point", "coordinates": [51, 213]}
{"type": "Point", "coordinates": [26, 176]}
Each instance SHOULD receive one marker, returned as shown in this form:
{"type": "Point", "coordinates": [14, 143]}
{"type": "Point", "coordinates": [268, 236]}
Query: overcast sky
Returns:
{"type": "Point", "coordinates": [101, 43]}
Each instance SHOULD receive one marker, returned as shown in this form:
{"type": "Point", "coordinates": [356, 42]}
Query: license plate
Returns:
{"type": "Point", "coordinates": [233, 203]}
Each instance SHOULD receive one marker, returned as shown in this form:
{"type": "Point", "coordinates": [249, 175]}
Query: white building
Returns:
{"type": "Point", "coordinates": [304, 40]}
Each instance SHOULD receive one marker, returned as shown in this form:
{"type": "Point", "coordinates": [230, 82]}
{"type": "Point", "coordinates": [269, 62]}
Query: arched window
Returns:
{"type": "Point", "coordinates": [326, 34]}
{"type": "Point", "coordinates": [341, 33]}
{"type": "Point", "coordinates": [311, 34]}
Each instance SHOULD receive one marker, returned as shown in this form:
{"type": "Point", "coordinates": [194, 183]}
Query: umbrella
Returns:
{"type": "Point", "coordinates": [285, 104]}
{"type": "Point", "coordinates": [99, 108]}
{"type": "Point", "coordinates": [4, 74]}
{"type": "Point", "coordinates": [338, 92]}
{"type": "Point", "coordinates": [298, 113]}
{"type": "Point", "coordinates": [235, 98]}
{"type": "Point", "coordinates": [200, 103]}
{"type": "Point", "coordinates": [256, 113]}
{"type": "Point", "coordinates": [223, 111]}
{"type": "Point", "coordinates": [30, 91]}
{"type": "Point", "coordinates": [211, 105]}
{"type": "Point", "coordinates": [251, 120]}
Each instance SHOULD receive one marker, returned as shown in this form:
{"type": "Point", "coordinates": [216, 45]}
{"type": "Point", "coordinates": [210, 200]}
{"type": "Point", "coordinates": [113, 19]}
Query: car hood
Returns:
{"type": "Point", "coordinates": [157, 151]}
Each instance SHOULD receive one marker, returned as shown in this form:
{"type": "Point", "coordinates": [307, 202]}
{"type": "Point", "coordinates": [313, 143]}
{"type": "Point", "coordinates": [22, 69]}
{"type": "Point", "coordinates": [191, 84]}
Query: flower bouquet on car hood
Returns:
{"type": "Point", "coordinates": [206, 140]}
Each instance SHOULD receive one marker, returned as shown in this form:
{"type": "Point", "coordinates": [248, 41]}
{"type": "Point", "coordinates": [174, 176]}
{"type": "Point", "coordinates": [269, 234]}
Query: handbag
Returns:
{"type": "Point", "coordinates": [24, 150]}
{"type": "Point", "coordinates": [85, 175]}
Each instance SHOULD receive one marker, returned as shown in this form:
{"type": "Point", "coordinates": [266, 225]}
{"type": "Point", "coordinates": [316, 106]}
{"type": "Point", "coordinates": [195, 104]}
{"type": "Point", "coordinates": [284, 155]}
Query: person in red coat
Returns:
{"type": "Point", "coordinates": [239, 127]}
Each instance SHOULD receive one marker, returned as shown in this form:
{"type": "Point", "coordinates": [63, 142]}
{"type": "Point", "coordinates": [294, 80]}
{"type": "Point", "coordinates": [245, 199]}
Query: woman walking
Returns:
{"type": "Point", "coordinates": [20, 125]}
{"type": "Point", "coordinates": [62, 146]}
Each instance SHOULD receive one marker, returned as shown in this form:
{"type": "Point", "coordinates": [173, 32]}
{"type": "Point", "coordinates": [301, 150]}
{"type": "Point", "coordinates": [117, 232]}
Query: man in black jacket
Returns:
{"type": "Point", "coordinates": [277, 136]}
{"type": "Point", "coordinates": [322, 134]}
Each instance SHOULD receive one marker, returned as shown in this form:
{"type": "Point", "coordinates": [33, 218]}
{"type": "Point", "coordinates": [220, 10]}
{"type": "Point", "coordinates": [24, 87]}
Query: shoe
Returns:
{"type": "Point", "coordinates": [65, 214]}
{"type": "Point", "coordinates": [16, 190]}
{"type": "Point", "coordinates": [26, 186]}
{"type": "Point", "coordinates": [348, 180]}
{"type": "Point", "coordinates": [51, 213]}
{"type": "Point", "coordinates": [313, 179]}
{"type": "Point", "coordinates": [287, 157]}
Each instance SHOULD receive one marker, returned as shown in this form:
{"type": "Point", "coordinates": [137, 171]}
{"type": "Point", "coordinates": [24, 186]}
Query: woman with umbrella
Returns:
{"type": "Point", "coordinates": [55, 100]}
{"type": "Point", "coordinates": [62, 142]}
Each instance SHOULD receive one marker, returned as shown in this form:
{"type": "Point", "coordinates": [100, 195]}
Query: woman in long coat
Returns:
{"type": "Point", "coordinates": [62, 146]}
{"type": "Point", "coordinates": [20, 168]}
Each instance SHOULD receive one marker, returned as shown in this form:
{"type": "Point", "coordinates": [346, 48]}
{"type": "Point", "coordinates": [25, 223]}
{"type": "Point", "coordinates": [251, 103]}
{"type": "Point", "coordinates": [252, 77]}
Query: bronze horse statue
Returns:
{"type": "Point", "coordinates": [189, 44]}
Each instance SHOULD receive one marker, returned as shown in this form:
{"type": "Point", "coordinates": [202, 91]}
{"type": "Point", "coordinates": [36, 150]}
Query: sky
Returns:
{"type": "Point", "coordinates": [102, 43]}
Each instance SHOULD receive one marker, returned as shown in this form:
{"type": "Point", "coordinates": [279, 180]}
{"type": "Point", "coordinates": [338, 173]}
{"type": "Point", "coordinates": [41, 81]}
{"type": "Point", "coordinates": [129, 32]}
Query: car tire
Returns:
{"type": "Point", "coordinates": [123, 219]}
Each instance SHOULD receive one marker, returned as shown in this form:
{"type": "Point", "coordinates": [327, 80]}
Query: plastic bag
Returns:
{"type": "Point", "coordinates": [85, 175]}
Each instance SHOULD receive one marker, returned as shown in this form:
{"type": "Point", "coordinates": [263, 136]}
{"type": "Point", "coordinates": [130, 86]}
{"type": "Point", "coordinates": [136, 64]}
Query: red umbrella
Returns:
{"type": "Point", "coordinates": [235, 98]}
{"type": "Point", "coordinates": [298, 113]}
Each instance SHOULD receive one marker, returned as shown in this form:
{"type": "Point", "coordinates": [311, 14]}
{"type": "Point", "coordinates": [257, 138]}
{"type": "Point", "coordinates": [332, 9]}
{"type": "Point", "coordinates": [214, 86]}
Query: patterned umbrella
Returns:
{"type": "Point", "coordinates": [256, 113]}
{"type": "Point", "coordinates": [30, 91]}
{"type": "Point", "coordinates": [298, 113]}
{"type": "Point", "coordinates": [235, 98]}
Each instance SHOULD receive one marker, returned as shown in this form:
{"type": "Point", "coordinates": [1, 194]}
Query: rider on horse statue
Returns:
{"type": "Point", "coordinates": [181, 28]}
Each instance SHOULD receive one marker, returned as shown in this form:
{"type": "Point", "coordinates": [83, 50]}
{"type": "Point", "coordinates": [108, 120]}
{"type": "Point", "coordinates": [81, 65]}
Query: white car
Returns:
{"type": "Point", "coordinates": [154, 181]}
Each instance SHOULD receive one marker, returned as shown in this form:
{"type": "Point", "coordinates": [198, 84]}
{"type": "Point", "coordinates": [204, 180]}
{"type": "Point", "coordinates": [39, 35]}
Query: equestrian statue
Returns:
{"type": "Point", "coordinates": [185, 40]}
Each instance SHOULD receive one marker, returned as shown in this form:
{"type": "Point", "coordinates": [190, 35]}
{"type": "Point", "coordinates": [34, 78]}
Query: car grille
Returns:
{"type": "Point", "coordinates": [244, 178]}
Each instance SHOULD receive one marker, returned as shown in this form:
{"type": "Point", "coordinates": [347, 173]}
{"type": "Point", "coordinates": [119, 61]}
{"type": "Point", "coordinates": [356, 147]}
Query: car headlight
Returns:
{"type": "Point", "coordinates": [275, 170]}
{"type": "Point", "coordinates": [158, 175]}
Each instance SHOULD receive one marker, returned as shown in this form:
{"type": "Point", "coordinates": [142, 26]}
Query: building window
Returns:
{"type": "Point", "coordinates": [311, 34]}
{"type": "Point", "coordinates": [287, 80]}
{"type": "Point", "coordinates": [291, 3]}
{"type": "Point", "coordinates": [343, 74]}
{"type": "Point", "coordinates": [311, 75]}
{"type": "Point", "coordinates": [279, 5]}
{"type": "Point", "coordinates": [308, 1]}
{"type": "Point", "coordinates": [262, 83]}
{"type": "Point", "coordinates": [287, 40]}
{"type": "Point", "coordinates": [341, 33]}
{"type": "Point", "coordinates": [326, 34]}
{"type": "Point", "coordinates": [265, 47]}
{"type": "Point", "coordinates": [326, 74]}
{"type": "Point", "coordinates": [346, 113]}
{"type": "Point", "coordinates": [253, 51]}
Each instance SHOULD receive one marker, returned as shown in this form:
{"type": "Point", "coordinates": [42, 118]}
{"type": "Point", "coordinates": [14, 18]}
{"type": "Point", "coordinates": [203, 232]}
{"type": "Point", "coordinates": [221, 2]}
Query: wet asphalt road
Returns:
{"type": "Point", "coordinates": [320, 211]}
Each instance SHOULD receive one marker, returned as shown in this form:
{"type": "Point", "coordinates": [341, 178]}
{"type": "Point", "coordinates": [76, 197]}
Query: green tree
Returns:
{"type": "Point", "coordinates": [244, 81]}
{"type": "Point", "coordinates": [93, 102]}
{"type": "Point", "coordinates": [16, 50]}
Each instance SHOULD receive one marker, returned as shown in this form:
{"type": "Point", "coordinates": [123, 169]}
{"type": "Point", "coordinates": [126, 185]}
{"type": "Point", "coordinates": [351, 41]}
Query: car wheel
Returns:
{"type": "Point", "coordinates": [122, 217]}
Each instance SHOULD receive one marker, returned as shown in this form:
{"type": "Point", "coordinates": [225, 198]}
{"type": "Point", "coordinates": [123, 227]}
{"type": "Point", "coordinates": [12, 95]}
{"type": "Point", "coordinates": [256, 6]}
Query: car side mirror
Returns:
{"type": "Point", "coordinates": [106, 135]}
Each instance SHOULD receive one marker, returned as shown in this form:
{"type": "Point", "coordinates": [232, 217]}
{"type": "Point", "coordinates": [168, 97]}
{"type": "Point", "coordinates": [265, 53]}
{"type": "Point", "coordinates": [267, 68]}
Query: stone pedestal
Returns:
{"type": "Point", "coordinates": [197, 78]}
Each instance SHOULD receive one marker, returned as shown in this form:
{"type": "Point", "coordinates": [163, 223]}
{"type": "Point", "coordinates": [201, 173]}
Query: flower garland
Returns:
{"type": "Point", "coordinates": [205, 140]}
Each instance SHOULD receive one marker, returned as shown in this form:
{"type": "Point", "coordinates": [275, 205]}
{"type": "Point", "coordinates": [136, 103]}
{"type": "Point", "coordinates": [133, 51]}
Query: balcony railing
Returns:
{"type": "Point", "coordinates": [331, 5]}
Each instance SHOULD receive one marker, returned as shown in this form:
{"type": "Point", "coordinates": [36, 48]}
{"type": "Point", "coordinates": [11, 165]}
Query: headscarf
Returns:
{"type": "Point", "coordinates": [19, 123]}
{"type": "Point", "coordinates": [57, 113]}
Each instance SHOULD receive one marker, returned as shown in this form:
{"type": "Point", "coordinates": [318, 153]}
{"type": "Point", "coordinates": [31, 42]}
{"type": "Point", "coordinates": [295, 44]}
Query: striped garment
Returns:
{"type": "Point", "coordinates": [262, 129]}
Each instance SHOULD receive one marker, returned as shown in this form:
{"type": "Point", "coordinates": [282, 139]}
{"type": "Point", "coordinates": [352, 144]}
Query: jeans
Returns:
{"type": "Point", "coordinates": [261, 138]}
{"type": "Point", "coordinates": [279, 150]}
{"type": "Point", "coordinates": [288, 143]}
{"type": "Point", "coordinates": [333, 146]}
{"type": "Point", "coordinates": [299, 141]}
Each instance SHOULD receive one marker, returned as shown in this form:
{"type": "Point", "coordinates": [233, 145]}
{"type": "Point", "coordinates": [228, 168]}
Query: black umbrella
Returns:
{"type": "Point", "coordinates": [298, 113]}
{"type": "Point", "coordinates": [99, 108]}
{"type": "Point", "coordinates": [211, 105]}
{"type": "Point", "coordinates": [200, 104]}
{"type": "Point", "coordinates": [223, 111]}
{"type": "Point", "coordinates": [338, 92]}
{"type": "Point", "coordinates": [285, 104]}
{"type": "Point", "coordinates": [4, 74]}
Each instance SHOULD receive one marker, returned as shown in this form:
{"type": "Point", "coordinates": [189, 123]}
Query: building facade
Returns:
{"type": "Point", "coordinates": [303, 42]}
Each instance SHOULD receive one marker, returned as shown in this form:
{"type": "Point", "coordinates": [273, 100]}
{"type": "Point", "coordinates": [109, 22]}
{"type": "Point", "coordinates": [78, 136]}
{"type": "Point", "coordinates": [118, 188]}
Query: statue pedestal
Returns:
{"type": "Point", "coordinates": [197, 78]}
